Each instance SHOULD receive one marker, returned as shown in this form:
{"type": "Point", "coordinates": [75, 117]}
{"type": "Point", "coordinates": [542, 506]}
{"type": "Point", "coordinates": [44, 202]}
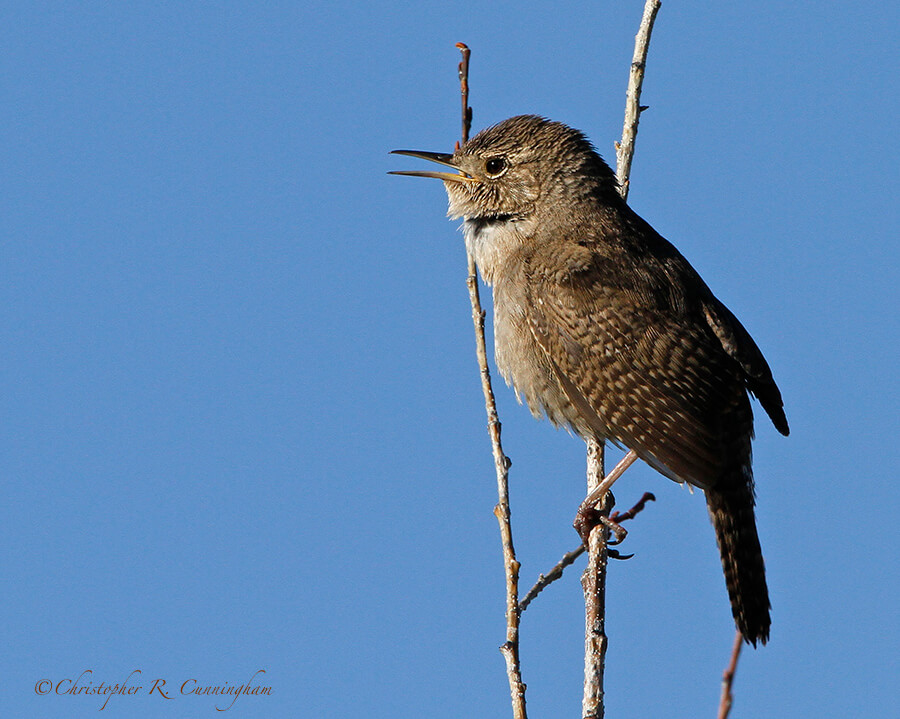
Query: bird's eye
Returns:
{"type": "Point", "coordinates": [495, 166]}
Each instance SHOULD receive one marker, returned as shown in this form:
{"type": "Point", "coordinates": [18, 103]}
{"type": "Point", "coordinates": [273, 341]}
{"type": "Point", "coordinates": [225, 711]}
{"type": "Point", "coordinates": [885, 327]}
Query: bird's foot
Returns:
{"type": "Point", "coordinates": [588, 517]}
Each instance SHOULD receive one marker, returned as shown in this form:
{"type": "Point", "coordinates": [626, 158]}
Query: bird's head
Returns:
{"type": "Point", "coordinates": [507, 169]}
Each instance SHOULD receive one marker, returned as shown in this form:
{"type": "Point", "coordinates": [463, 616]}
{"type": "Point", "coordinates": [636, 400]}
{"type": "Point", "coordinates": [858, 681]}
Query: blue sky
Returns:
{"type": "Point", "coordinates": [243, 424]}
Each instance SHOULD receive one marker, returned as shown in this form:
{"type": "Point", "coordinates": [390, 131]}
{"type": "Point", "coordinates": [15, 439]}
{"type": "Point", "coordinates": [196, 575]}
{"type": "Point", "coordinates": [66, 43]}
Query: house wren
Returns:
{"type": "Point", "coordinates": [602, 325]}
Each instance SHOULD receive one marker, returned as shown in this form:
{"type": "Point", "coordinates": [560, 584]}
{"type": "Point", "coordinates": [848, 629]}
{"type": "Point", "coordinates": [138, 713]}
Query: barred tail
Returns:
{"type": "Point", "coordinates": [730, 505]}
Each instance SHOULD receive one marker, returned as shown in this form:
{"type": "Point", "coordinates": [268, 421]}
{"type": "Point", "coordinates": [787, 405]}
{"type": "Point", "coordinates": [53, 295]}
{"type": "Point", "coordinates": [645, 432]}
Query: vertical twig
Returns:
{"type": "Point", "coordinates": [510, 647]}
{"type": "Point", "coordinates": [593, 584]}
{"type": "Point", "coordinates": [464, 91]}
{"type": "Point", "coordinates": [633, 107]}
{"type": "Point", "coordinates": [594, 578]}
{"type": "Point", "coordinates": [728, 678]}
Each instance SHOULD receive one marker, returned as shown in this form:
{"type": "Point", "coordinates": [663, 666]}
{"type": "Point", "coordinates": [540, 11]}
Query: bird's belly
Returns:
{"type": "Point", "coordinates": [526, 367]}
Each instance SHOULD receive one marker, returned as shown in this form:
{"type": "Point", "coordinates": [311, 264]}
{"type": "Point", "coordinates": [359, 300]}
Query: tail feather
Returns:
{"type": "Point", "coordinates": [730, 505]}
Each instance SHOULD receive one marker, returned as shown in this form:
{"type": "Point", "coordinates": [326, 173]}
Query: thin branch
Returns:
{"type": "Point", "coordinates": [593, 580]}
{"type": "Point", "coordinates": [728, 678]}
{"type": "Point", "coordinates": [593, 584]}
{"type": "Point", "coordinates": [633, 107]}
{"type": "Point", "coordinates": [510, 647]}
{"type": "Point", "coordinates": [620, 517]}
{"type": "Point", "coordinates": [464, 90]}
{"type": "Point", "coordinates": [545, 580]}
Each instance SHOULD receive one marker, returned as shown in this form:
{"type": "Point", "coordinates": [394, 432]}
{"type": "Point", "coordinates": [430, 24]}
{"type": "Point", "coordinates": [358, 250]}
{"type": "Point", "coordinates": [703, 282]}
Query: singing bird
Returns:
{"type": "Point", "coordinates": [602, 325]}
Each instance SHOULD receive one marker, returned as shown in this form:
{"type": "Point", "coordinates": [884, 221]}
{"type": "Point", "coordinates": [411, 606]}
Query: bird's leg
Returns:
{"type": "Point", "coordinates": [588, 517]}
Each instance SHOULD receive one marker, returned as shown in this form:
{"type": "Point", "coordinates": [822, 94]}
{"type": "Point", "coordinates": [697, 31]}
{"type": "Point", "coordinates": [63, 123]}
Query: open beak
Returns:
{"type": "Point", "coordinates": [442, 158]}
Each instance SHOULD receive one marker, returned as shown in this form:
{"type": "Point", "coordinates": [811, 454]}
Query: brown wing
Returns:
{"type": "Point", "coordinates": [738, 343]}
{"type": "Point", "coordinates": [649, 368]}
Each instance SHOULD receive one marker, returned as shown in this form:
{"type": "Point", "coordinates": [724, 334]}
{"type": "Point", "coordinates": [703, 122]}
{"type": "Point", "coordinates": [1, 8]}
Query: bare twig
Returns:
{"type": "Point", "coordinates": [728, 678]}
{"type": "Point", "coordinates": [593, 584]}
{"type": "Point", "coordinates": [545, 580]}
{"type": "Point", "coordinates": [633, 107]}
{"type": "Point", "coordinates": [510, 647]}
{"type": "Point", "coordinates": [464, 90]}
{"type": "Point", "coordinates": [593, 580]}
{"type": "Point", "coordinates": [620, 517]}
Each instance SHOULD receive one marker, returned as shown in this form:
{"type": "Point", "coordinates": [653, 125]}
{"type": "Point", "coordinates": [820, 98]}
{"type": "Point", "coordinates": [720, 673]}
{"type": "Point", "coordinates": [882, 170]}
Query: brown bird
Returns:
{"type": "Point", "coordinates": [602, 325]}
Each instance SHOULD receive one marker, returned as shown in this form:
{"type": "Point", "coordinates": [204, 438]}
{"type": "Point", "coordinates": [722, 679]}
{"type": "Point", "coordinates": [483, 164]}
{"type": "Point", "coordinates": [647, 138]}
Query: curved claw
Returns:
{"type": "Point", "coordinates": [613, 554]}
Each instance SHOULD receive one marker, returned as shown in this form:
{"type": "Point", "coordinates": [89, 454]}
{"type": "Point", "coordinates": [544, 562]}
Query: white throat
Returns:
{"type": "Point", "coordinates": [490, 242]}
